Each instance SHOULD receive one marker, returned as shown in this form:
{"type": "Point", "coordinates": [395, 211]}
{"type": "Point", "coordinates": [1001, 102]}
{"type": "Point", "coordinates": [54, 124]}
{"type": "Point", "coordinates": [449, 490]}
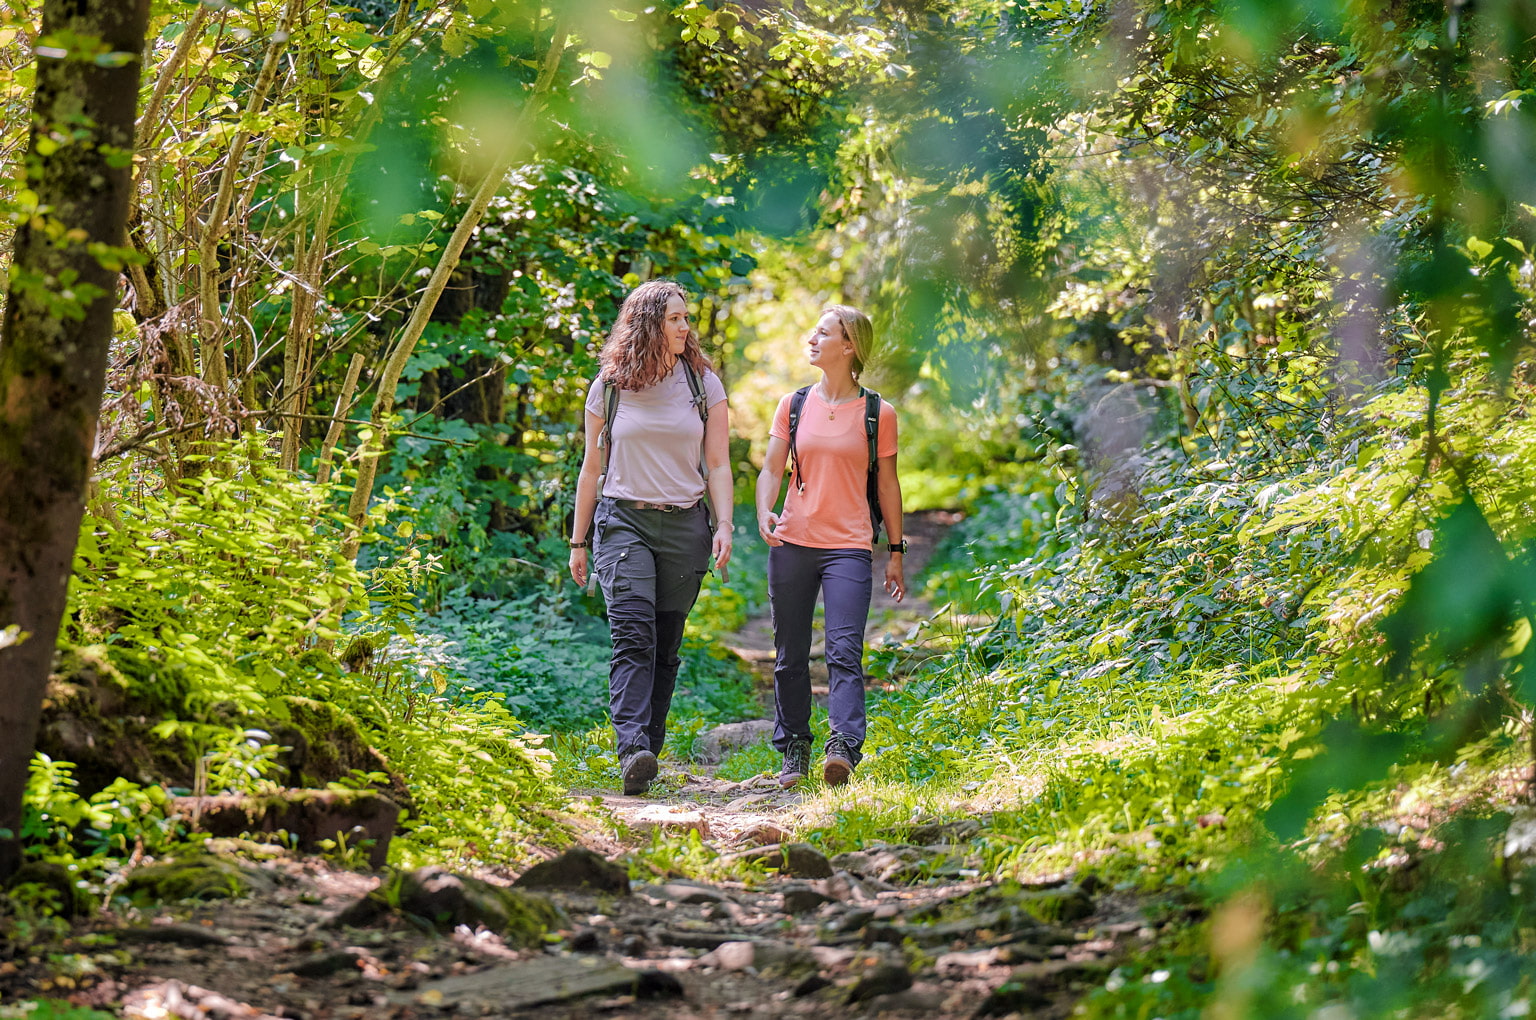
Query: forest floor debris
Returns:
{"type": "Point", "coordinates": [894, 929]}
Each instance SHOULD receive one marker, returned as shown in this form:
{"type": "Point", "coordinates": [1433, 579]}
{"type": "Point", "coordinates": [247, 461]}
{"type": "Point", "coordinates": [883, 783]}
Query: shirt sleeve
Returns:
{"type": "Point", "coordinates": [885, 445]}
{"type": "Point", "coordinates": [595, 397]}
{"type": "Point", "coordinates": [714, 389]}
{"type": "Point", "coordinates": [780, 428]}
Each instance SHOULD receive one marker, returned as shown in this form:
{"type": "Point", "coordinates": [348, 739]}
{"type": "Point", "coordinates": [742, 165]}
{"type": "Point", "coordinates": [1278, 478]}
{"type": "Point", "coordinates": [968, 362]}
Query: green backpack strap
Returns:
{"type": "Point", "coordinates": [701, 403]}
{"type": "Point", "coordinates": [605, 437]}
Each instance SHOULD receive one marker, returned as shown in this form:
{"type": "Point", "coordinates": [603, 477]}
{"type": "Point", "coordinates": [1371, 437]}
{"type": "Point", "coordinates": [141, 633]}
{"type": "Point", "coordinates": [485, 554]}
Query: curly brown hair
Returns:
{"type": "Point", "coordinates": [635, 355]}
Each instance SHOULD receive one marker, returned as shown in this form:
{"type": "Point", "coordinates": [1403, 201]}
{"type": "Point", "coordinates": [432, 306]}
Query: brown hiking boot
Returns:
{"type": "Point", "coordinates": [797, 762]}
{"type": "Point", "coordinates": [638, 769]}
{"type": "Point", "coordinates": [839, 763]}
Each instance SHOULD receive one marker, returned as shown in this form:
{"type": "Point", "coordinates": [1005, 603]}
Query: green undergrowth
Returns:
{"type": "Point", "coordinates": [206, 606]}
{"type": "Point", "coordinates": [1186, 677]}
{"type": "Point", "coordinates": [49, 1009]}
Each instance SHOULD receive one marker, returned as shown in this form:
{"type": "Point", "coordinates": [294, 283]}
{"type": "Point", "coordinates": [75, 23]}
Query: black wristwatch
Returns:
{"type": "Point", "coordinates": [580, 545]}
{"type": "Point", "coordinates": [900, 547]}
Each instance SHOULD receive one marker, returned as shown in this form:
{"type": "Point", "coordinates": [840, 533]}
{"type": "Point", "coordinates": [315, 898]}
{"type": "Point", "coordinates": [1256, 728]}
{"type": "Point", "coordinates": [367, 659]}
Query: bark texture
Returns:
{"type": "Point", "coordinates": [54, 342]}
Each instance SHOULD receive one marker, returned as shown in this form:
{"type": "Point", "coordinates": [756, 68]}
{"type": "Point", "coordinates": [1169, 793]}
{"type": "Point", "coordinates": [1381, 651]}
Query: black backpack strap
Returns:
{"type": "Point", "coordinates": [796, 407]}
{"type": "Point", "coordinates": [872, 426]}
{"type": "Point", "coordinates": [872, 485]}
{"type": "Point", "coordinates": [696, 387]}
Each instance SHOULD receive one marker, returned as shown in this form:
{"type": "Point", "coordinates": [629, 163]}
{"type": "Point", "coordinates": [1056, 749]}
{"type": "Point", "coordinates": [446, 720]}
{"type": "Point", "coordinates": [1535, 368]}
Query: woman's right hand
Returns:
{"type": "Point", "coordinates": [767, 525]}
{"type": "Point", "coordinates": [579, 566]}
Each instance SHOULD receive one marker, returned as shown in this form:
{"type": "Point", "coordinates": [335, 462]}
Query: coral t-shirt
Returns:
{"type": "Point", "coordinates": [832, 510]}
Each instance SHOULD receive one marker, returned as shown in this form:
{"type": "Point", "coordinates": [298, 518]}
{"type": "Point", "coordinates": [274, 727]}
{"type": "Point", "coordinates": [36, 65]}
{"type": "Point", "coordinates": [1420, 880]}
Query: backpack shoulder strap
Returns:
{"type": "Point", "coordinates": [701, 404]}
{"type": "Point", "coordinates": [872, 426]}
{"type": "Point", "coordinates": [872, 480]}
{"type": "Point", "coordinates": [796, 408]}
{"type": "Point", "coordinates": [605, 437]}
{"type": "Point", "coordinates": [696, 387]}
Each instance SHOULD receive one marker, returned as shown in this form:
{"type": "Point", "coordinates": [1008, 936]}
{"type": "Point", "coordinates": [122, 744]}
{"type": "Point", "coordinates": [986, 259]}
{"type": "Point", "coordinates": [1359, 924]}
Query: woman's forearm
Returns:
{"type": "Point", "coordinates": [722, 493]}
{"type": "Point", "coordinates": [586, 506]}
{"type": "Point", "coordinates": [767, 492]}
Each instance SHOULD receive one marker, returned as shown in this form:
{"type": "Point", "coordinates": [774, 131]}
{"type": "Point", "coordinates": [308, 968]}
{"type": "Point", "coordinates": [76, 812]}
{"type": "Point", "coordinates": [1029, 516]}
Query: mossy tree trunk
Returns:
{"type": "Point", "coordinates": [53, 345]}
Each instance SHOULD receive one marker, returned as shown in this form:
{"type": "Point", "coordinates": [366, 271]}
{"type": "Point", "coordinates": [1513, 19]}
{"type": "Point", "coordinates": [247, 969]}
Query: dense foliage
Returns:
{"type": "Point", "coordinates": [1211, 316]}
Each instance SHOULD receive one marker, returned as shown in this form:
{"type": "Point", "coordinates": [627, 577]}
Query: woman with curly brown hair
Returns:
{"type": "Point", "coordinates": [657, 431]}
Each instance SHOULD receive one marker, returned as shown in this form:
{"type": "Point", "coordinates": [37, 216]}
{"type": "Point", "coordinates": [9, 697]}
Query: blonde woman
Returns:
{"type": "Point", "coordinates": [657, 427]}
{"type": "Point", "coordinates": [840, 442]}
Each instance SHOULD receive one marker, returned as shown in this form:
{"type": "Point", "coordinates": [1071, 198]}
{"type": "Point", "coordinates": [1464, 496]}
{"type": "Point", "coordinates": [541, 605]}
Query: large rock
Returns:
{"type": "Point", "coordinates": [523, 984]}
{"type": "Point", "coordinates": [446, 900]}
{"type": "Point", "coordinates": [577, 868]}
{"type": "Point", "coordinates": [714, 745]}
{"type": "Point", "coordinates": [345, 817]}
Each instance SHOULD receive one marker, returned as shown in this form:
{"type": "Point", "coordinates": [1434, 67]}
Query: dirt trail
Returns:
{"type": "Point", "coordinates": [728, 814]}
{"type": "Point", "coordinates": [906, 927]}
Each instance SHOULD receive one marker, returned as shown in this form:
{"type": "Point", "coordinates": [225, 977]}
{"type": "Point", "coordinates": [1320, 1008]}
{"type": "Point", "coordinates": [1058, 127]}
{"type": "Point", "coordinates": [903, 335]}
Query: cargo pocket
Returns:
{"type": "Point", "coordinates": [609, 572]}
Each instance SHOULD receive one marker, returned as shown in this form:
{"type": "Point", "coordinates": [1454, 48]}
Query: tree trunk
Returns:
{"type": "Point", "coordinates": [53, 350]}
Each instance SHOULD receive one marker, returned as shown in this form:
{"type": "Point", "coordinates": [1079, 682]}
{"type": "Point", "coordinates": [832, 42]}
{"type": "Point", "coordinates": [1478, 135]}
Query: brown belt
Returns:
{"type": "Point", "coordinates": [640, 504]}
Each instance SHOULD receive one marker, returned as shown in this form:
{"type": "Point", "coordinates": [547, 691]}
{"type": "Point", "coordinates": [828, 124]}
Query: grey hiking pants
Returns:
{"type": "Point", "coordinates": [650, 564]}
{"type": "Point", "coordinates": [844, 576]}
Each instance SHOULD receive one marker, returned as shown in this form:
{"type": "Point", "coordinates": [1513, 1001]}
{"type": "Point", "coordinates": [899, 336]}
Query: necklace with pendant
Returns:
{"type": "Point", "coordinates": [831, 409]}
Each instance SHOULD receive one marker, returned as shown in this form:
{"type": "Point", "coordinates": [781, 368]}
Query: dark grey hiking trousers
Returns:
{"type": "Point", "coordinates": [844, 578]}
{"type": "Point", "coordinates": [650, 564]}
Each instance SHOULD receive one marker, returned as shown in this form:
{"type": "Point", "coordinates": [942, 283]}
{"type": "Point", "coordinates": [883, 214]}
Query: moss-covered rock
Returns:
{"type": "Point", "coordinates": [103, 721]}
{"type": "Point", "coordinates": [326, 745]}
{"type": "Point", "coordinates": [445, 900]}
{"type": "Point", "coordinates": [54, 885]}
{"type": "Point", "coordinates": [194, 878]}
{"type": "Point", "coordinates": [357, 818]}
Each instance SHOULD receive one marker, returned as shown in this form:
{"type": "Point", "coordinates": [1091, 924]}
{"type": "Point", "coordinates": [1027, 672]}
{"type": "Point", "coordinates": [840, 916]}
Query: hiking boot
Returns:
{"type": "Point", "coordinates": [838, 765]}
{"type": "Point", "coordinates": [797, 762]}
{"type": "Point", "coordinates": [638, 769]}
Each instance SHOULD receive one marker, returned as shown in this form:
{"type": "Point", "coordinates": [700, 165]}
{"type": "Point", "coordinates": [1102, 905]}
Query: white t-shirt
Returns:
{"type": "Point", "coordinates": [657, 436]}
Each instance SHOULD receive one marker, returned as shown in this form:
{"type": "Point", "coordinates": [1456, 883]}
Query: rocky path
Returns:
{"type": "Point", "coordinates": [908, 926]}
{"type": "Point", "coordinates": [895, 930]}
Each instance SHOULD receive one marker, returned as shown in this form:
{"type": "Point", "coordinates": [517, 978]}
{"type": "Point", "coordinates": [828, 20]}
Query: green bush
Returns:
{"type": "Point", "coordinates": [214, 599]}
{"type": "Point", "coordinates": [49, 1009]}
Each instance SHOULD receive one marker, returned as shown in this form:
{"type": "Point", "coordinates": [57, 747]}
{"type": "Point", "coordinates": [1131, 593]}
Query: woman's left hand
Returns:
{"type": "Point", "coordinates": [895, 585]}
{"type": "Point", "coordinates": [720, 548]}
